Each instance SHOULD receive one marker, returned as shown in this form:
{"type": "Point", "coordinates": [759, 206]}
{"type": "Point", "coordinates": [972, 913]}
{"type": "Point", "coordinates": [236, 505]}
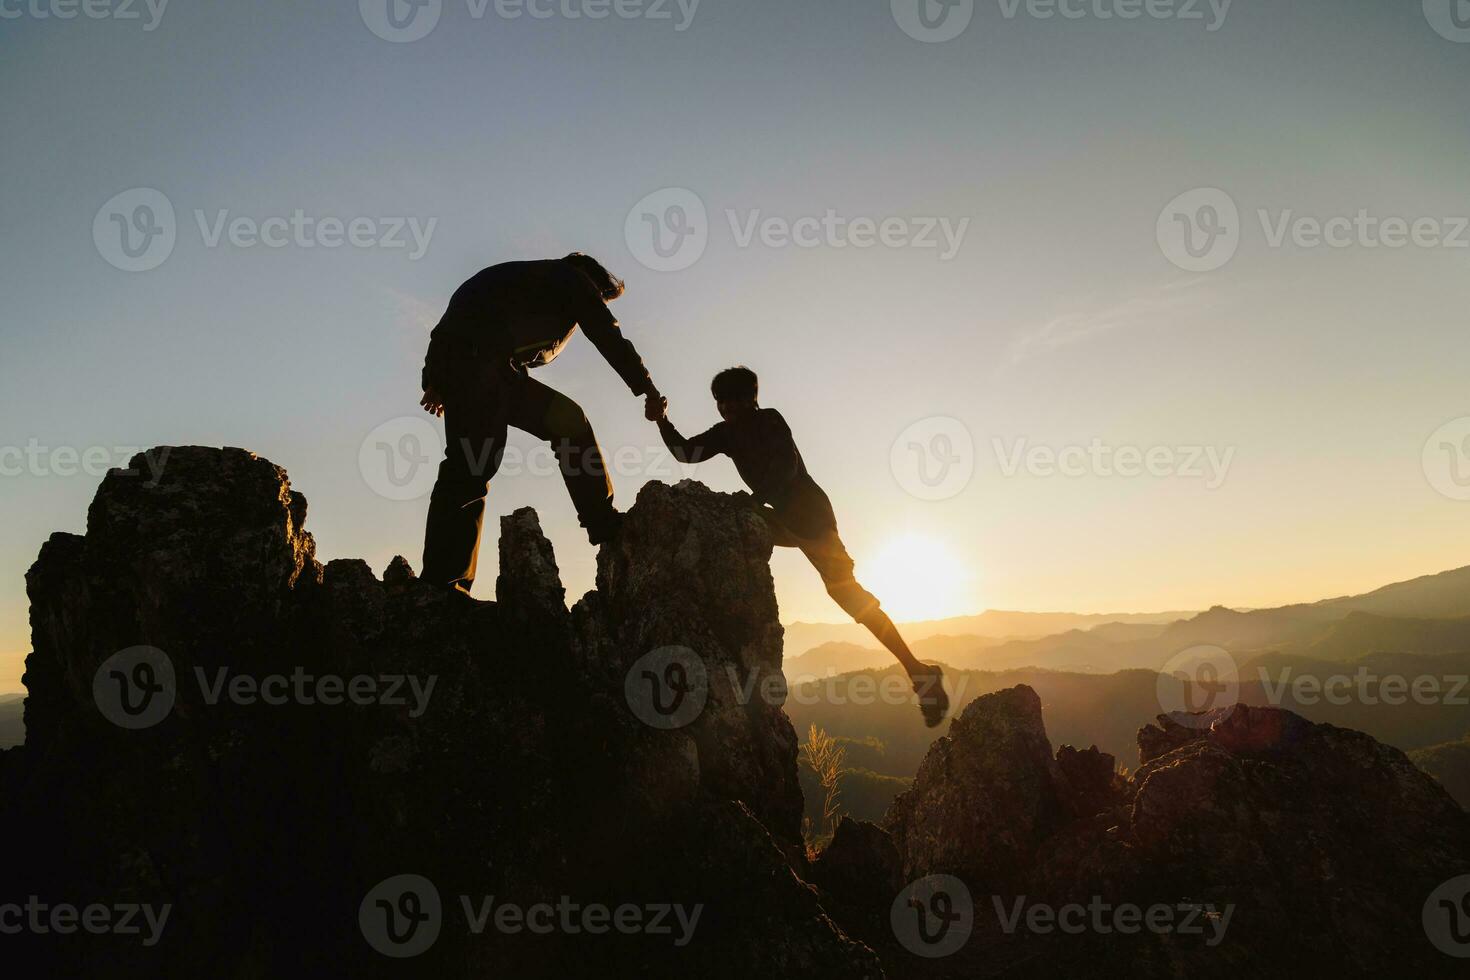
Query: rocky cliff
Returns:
{"type": "Point", "coordinates": [240, 763]}
{"type": "Point", "coordinates": [220, 725]}
{"type": "Point", "coordinates": [1261, 843]}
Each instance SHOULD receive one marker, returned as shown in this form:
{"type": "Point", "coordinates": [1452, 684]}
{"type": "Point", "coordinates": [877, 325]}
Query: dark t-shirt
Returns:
{"type": "Point", "coordinates": [765, 454]}
{"type": "Point", "coordinates": [526, 312]}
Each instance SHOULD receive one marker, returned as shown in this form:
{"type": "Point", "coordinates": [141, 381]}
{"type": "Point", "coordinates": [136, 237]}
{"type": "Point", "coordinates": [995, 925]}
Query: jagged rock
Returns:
{"type": "Point", "coordinates": [1089, 781]}
{"type": "Point", "coordinates": [529, 581]}
{"type": "Point", "coordinates": [691, 569]}
{"type": "Point", "coordinates": [1323, 843]}
{"type": "Point", "coordinates": [860, 867]}
{"type": "Point", "coordinates": [398, 573]}
{"type": "Point", "coordinates": [1175, 729]}
{"type": "Point", "coordinates": [505, 762]}
{"type": "Point", "coordinates": [985, 796]}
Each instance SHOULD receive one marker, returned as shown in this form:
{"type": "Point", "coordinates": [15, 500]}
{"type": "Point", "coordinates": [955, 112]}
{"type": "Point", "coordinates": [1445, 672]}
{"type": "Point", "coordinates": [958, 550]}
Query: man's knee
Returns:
{"type": "Point", "coordinates": [855, 600]}
{"type": "Point", "coordinates": [566, 422]}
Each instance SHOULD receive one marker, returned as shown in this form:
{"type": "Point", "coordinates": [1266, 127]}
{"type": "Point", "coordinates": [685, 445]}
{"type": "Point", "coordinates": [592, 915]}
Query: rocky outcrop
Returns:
{"type": "Point", "coordinates": [988, 795]}
{"type": "Point", "coordinates": [304, 735]}
{"type": "Point", "coordinates": [306, 766]}
{"type": "Point", "coordinates": [1304, 849]}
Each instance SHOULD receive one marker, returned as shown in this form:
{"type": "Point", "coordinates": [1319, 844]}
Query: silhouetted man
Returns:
{"type": "Point", "coordinates": [503, 321]}
{"type": "Point", "coordinates": [795, 508]}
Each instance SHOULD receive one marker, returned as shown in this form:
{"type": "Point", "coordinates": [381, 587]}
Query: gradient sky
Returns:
{"type": "Point", "coordinates": [1059, 321]}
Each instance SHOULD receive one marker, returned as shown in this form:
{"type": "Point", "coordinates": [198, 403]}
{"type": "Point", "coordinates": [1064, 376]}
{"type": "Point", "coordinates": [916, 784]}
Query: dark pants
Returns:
{"type": "Point", "coordinates": [480, 404]}
{"type": "Point", "coordinates": [829, 557]}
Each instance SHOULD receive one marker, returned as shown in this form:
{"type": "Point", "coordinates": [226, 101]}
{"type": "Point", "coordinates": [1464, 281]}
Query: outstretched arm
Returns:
{"type": "Point", "coordinates": [601, 327]}
{"type": "Point", "coordinates": [709, 443]}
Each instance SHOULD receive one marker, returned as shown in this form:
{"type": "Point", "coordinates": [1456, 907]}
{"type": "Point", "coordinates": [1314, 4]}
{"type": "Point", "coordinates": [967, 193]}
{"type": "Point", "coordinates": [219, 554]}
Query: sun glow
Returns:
{"type": "Point", "coordinates": [917, 577]}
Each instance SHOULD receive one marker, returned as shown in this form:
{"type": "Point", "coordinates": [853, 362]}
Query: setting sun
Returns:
{"type": "Point", "coordinates": [917, 577]}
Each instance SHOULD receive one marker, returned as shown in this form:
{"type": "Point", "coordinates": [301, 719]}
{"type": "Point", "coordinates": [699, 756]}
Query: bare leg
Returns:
{"type": "Point", "coordinates": [831, 560]}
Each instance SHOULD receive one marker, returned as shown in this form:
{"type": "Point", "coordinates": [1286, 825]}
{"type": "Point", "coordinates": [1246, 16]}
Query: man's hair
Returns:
{"type": "Point", "coordinates": [735, 384]}
{"type": "Point", "coordinates": [608, 286]}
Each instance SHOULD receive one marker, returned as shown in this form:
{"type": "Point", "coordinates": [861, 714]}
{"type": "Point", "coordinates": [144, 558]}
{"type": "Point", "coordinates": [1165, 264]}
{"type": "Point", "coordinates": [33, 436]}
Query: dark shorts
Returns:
{"type": "Point", "coordinates": [829, 557]}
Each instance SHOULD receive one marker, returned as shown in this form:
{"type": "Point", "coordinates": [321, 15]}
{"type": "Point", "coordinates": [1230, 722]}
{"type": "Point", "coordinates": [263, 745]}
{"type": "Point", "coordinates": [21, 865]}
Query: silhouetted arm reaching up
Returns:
{"type": "Point", "coordinates": [707, 444]}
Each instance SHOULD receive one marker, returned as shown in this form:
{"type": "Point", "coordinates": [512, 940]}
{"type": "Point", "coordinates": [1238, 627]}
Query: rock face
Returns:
{"type": "Point", "coordinates": [305, 770]}
{"type": "Point", "coordinates": [321, 732]}
{"type": "Point", "coordinates": [1321, 844]}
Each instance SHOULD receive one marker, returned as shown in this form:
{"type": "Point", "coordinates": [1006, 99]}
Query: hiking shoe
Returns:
{"type": "Point", "coordinates": [929, 686]}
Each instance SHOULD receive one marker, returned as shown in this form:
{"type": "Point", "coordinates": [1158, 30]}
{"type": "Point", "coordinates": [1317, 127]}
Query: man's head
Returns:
{"type": "Point", "coordinates": [736, 391]}
{"type": "Point", "coordinates": [609, 286]}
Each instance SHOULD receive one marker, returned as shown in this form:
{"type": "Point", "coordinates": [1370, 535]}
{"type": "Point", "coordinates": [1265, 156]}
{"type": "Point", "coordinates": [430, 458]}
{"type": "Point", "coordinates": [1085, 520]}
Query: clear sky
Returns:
{"type": "Point", "coordinates": [1064, 317]}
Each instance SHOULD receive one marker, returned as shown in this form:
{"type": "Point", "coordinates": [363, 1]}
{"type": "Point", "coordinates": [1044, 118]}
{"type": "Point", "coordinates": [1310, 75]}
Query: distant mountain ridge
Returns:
{"type": "Point", "coordinates": [1425, 615]}
{"type": "Point", "coordinates": [993, 623]}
